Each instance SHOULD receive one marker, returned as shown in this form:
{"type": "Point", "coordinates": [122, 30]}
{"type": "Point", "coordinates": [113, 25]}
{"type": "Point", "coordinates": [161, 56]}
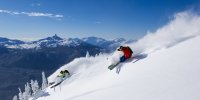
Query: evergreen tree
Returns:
{"type": "Point", "coordinates": [20, 95]}
{"type": "Point", "coordinates": [25, 96]}
{"type": "Point", "coordinates": [96, 55]}
{"type": "Point", "coordinates": [27, 92]}
{"type": "Point", "coordinates": [87, 55]}
{"type": "Point", "coordinates": [34, 87]}
{"type": "Point", "coordinates": [15, 97]}
{"type": "Point", "coordinates": [44, 81]}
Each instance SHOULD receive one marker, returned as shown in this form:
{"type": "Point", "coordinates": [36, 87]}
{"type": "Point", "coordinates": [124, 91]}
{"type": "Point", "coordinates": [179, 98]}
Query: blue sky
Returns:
{"type": "Point", "coordinates": [130, 19]}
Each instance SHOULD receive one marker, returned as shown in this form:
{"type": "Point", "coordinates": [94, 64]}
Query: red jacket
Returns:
{"type": "Point", "coordinates": [127, 52]}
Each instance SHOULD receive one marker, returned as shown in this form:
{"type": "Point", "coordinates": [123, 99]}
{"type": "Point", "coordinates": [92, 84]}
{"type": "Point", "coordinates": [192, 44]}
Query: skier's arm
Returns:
{"type": "Point", "coordinates": [68, 73]}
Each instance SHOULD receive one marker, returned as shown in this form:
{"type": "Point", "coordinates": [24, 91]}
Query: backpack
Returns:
{"type": "Point", "coordinates": [130, 49]}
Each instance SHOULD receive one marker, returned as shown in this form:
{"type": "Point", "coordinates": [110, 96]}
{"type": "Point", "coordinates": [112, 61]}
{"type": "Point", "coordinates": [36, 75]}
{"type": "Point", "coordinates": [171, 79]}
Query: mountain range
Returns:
{"type": "Point", "coordinates": [55, 41]}
{"type": "Point", "coordinates": [7, 42]}
{"type": "Point", "coordinates": [110, 45]}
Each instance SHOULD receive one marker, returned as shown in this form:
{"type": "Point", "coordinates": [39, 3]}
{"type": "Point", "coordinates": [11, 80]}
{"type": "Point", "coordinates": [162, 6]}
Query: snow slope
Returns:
{"type": "Point", "coordinates": [168, 74]}
{"type": "Point", "coordinates": [167, 68]}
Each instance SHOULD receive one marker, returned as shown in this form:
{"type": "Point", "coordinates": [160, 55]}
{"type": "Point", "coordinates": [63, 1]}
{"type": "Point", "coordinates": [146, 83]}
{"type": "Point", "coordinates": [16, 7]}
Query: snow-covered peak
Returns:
{"type": "Point", "coordinates": [56, 37]}
{"type": "Point", "coordinates": [119, 40]}
{"type": "Point", "coordinates": [71, 41]}
{"type": "Point", "coordinates": [53, 41]}
{"type": "Point", "coordinates": [110, 45]}
{"type": "Point", "coordinates": [94, 40]}
{"type": "Point", "coordinates": [53, 38]}
{"type": "Point", "coordinates": [7, 42]}
{"type": "Point", "coordinates": [99, 41]}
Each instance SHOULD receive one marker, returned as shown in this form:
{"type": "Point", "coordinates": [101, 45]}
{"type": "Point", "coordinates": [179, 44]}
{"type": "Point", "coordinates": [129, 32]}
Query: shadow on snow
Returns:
{"type": "Point", "coordinates": [133, 59]}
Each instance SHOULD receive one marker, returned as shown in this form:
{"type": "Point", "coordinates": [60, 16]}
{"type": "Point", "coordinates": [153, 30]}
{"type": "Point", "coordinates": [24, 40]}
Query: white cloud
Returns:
{"type": "Point", "coordinates": [36, 4]}
{"type": "Point", "coordinates": [38, 14]}
{"type": "Point", "coordinates": [98, 22]}
{"type": "Point", "coordinates": [5, 11]}
{"type": "Point", "coordinates": [32, 14]}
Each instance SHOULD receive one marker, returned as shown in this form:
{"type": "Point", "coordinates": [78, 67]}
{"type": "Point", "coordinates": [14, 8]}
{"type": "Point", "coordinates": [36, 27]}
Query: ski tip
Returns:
{"type": "Point", "coordinates": [110, 68]}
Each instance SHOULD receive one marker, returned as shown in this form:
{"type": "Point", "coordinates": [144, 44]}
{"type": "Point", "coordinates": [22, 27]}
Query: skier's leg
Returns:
{"type": "Point", "coordinates": [50, 83]}
{"type": "Point", "coordinates": [122, 59]}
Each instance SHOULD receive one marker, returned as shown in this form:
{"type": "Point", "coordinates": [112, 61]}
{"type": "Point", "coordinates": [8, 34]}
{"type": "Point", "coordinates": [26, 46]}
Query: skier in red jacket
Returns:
{"type": "Point", "coordinates": [127, 53]}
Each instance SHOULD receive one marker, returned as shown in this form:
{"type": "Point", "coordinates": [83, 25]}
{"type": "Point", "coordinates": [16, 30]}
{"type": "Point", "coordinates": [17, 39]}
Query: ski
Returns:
{"type": "Point", "coordinates": [56, 84]}
{"type": "Point", "coordinates": [111, 67]}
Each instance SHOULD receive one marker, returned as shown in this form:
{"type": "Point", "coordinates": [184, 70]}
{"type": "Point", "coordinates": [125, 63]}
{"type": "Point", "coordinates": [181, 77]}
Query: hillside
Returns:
{"type": "Point", "coordinates": [168, 74]}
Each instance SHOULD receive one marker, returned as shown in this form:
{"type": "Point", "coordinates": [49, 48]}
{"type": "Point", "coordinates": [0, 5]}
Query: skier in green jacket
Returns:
{"type": "Point", "coordinates": [60, 78]}
{"type": "Point", "coordinates": [63, 74]}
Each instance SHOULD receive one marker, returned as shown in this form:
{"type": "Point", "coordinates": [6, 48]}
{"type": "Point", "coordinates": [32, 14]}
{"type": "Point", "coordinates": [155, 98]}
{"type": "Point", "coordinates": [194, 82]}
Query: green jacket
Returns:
{"type": "Point", "coordinates": [62, 75]}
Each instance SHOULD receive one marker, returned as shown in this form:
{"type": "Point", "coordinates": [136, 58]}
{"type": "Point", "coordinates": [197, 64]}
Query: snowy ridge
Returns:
{"type": "Point", "coordinates": [111, 44]}
{"type": "Point", "coordinates": [53, 41]}
{"type": "Point", "coordinates": [7, 42]}
{"type": "Point", "coordinates": [170, 71]}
